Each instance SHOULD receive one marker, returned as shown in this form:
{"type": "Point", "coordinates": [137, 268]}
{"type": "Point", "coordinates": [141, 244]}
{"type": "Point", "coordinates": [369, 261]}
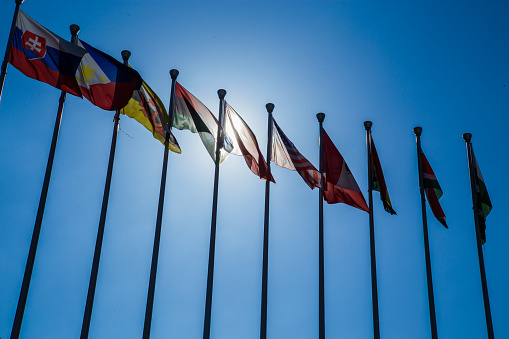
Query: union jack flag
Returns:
{"type": "Point", "coordinates": [286, 155]}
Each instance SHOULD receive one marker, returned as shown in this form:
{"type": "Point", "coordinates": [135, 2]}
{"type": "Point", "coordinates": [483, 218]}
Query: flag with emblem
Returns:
{"type": "Point", "coordinates": [432, 190]}
{"type": "Point", "coordinates": [285, 154]}
{"type": "Point", "coordinates": [42, 55]}
{"type": "Point", "coordinates": [378, 183]}
{"type": "Point", "coordinates": [146, 108]}
{"type": "Point", "coordinates": [244, 143]}
{"type": "Point", "coordinates": [104, 81]}
{"type": "Point", "coordinates": [193, 115]}
{"type": "Point", "coordinates": [341, 186]}
{"type": "Point", "coordinates": [483, 200]}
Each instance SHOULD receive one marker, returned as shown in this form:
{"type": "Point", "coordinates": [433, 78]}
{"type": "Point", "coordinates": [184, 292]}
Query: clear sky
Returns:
{"type": "Point", "coordinates": [442, 65]}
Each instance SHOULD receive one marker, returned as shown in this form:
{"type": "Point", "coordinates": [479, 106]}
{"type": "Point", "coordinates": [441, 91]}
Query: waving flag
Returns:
{"type": "Point", "coordinates": [341, 185]}
{"type": "Point", "coordinates": [104, 81]}
{"type": "Point", "coordinates": [378, 183]}
{"type": "Point", "coordinates": [286, 155]}
{"type": "Point", "coordinates": [432, 190]}
{"type": "Point", "coordinates": [146, 108]}
{"type": "Point", "coordinates": [42, 55]}
{"type": "Point", "coordinates": [483, 199]}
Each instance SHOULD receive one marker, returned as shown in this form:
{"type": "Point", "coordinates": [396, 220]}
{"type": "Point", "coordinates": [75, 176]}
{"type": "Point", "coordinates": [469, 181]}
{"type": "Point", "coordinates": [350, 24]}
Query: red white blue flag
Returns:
{"type": "Point", "coordinates": [42, 55]}
{"type": "Point", "coordinates": [104, 81]}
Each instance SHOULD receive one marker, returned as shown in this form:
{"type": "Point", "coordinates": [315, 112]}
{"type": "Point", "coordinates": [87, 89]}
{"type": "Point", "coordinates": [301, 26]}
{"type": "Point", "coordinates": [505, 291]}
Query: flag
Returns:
{"type": "Point", "coordinates": [192, 115]}
{"type": "Point", "coordinates": [42, 55]}
{"type": "Point", "coordinates": [483, 200]}
{"type": "Point", "coordinates": [244, 143]}
{"type": "Point", "coordinates": [432, 190]}
{"type": "Point", "coordinates": [340, 183]}
{"type": "Point", "coordinates": [286, 155]}
{"type": "Point", "coordinates": [378, 183]}
{"type": "Point", "coordinates": [104, 81]}
{"type": "Point", "coordinates": [146, 108]}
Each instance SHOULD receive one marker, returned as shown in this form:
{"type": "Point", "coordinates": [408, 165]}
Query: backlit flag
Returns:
{"type": "Point", "coordinates": [341, 186]}
{"type": "Point", "coordinates": [378, 183]}
{"type": "Point", "coordinates": [146, 108]}
{"type": "Point", "coordinates": [286, 155]}
{"type": "Point", "coordinates": [483, 200]}
{"type": "Point", "coordinates": [432, 190]}
{"type": "Point", "coordinates": [191, 114]}
{"type": "Point", "coordinates": [244, 143]}
{"type": "Point", "coordinates": [104, 81]}
{"type": "Point", "coordinates": [42, 55]}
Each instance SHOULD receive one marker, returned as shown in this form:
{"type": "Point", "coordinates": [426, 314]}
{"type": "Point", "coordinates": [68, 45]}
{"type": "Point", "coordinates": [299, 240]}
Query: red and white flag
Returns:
{"type": "Point", "coordinates": [340, 183]}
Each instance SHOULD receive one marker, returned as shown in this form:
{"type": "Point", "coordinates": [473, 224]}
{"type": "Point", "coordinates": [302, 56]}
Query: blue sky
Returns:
{"type": "Point", "coordinates": [439, 65]}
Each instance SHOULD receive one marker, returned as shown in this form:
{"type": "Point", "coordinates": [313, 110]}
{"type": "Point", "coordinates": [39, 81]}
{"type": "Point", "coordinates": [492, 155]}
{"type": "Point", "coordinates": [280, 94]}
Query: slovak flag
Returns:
{"type": "Point", "coordinates": [104, 81]}
{"type": "Point", "coordinates": [42, 55]}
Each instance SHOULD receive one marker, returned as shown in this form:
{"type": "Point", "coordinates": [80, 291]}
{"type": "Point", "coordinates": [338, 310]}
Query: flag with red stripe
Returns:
{"type": "Point", "coordinates": [432, 190]}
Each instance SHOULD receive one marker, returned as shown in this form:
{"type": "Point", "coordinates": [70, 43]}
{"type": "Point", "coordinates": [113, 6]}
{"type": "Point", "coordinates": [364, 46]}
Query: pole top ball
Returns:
{"type": "Point", "coordinates": [125, 55]}
{"type": "Point", "coordinates": [75, 29]}
{"type": "Point", "coordinates": [467, 137]}
{"type": "Point", "coordinates": [367, 125]}
{"type": "Point", "coordinates": [418, 131]}
{"type": "Point", "coordinates": [269, 107]}
{"type": "Point", "coordinates": [174, 73]}
{"type": "Point", "coordinates": [320, 117]}
{"type": "Point", "coordinates": [221, 93]}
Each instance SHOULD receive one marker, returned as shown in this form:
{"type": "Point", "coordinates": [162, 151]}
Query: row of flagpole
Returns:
{"type": "Point", "coordinates": [219, 145]}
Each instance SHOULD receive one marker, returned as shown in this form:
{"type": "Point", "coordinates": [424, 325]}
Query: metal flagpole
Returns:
{"type": "Point", "coordinates": [85, 327]}
{"type": "Point", "coordinates": [263, 322]}
{"type": "Point", "coordinates": [321, 289]}
{"type": "Point", "coordinates": [157, 237]}
{"type": "Point", "coordinates": [431, 300]}
{"type": "Point", "coordinates": [374, 290]}
{"type": "Point", "coordinates": [212, 249]}
{"type": "Point", "coordinates": [473, 175]}
{"type": "Point", "coordinates": [8, 48]}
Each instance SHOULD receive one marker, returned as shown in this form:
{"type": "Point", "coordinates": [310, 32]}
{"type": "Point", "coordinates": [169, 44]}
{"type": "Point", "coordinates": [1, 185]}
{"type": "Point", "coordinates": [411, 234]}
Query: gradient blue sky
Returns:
{"type": "Point", "coordinates": [442, 65]}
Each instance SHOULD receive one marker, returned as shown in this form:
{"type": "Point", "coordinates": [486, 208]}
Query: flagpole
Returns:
{"type": "Point", "coordinates": [263, 322]}
{"type": "Point", "coordinates": [321, 275]}
{"type": "Point", "coordinates": [374, 290]}
{"type": "Point", "coordinates": [431, 300]}
{"type": "Point", "coordinates": [8, 48]}
{"type": "Point", "coordinates": [471, 167]}
{"type": "Point", "coordinates": [212, 248]}
{"type": "Point", "coordinates": [85, 327]}
{"type": "Point", "coordinates": [157, 237]}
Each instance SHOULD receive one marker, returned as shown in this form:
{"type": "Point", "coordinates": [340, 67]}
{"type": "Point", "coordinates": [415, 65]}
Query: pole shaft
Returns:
{"type": "Point", "coordinates": [265, 268]}
{"type": "Point", "coordinates": [8, 48]}
{"type": "Point", "coordinates": [374, 289]}
{"type": "Point", "coordinates": [157, 236]}
{"type": "Point", "coordinates": [20, 310]}
{"type": "Point", "coordinates": [321, 265]}
{"type": "Point", "coordinates": [431, 300]}
{"type": "Point", "coordinates": [212, 246]}
{"type": "Point", "coordinates": [487, 309]}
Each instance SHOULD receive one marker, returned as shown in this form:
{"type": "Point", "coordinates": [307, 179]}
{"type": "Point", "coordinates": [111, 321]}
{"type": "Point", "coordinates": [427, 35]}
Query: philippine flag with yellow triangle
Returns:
{"type": "Point", "coordinates": [104, 81]}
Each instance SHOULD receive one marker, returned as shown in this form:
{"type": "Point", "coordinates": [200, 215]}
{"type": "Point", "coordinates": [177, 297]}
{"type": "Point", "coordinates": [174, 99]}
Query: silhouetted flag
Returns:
{"type": "Point", "coordinates": [433, 190]}
{"type": "Point", "coordinates": [146, 108]}
{"type": "Point", "coordinates": [104, 81]}
{"type": "Point", "coordinates": [286, 155]}
{"type": "Point", "coordinates": [42, 55]}
{"type": "Point", "coordinates": [341, 186]}
{"type": "Point", "coordinates": [483, 200]}
{"type": "Point", "coordinates": [244, 143]}
{"type": "Point", "coordinates": [378, 183]}
{"type": "Point", "coordinates": [192, 115]}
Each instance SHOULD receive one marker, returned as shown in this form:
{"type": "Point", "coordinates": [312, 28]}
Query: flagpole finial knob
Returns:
{"type": "Point", "coordinates": [19, 2]}
{"type": "Point", "coordinates": [367, 125]}
{"type": "Point", "coordinates": [320, 117]}
{"type": "Point", "coordinates": [269, 107]}
{"type": "Point", "coordinates": [75, 29]}
{"type": "Point", "coordinates": [174, 74]}
{"type": "Point", "coordinates": [418, 131]}
{"type": "Point", "coordinates": [221, 93]}
{"type": "Point", "coordinates": [467, 137]}
{"type": "Point", "coordinates": [125, 55]}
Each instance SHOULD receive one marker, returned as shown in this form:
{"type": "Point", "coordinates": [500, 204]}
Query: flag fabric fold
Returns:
{"type": "Point", "coordinates": [244, 143]}
{"type": "Point", "coordinates": [378, 183]}
{"type": "Point", "coordinates": [483, 200]}
{"type": "Point", "coordinates": [285, 154]}
{"type": "Point", "coordinates": [42, 55]}
{"type": "Point", "coordinates": [432, 190]}
{"type": "Point", "coordinates": [340, 185]}
{"type": "Point", "coordinates": [104, 81]}
{"type": "Point", "coordinates": [146, 108]}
